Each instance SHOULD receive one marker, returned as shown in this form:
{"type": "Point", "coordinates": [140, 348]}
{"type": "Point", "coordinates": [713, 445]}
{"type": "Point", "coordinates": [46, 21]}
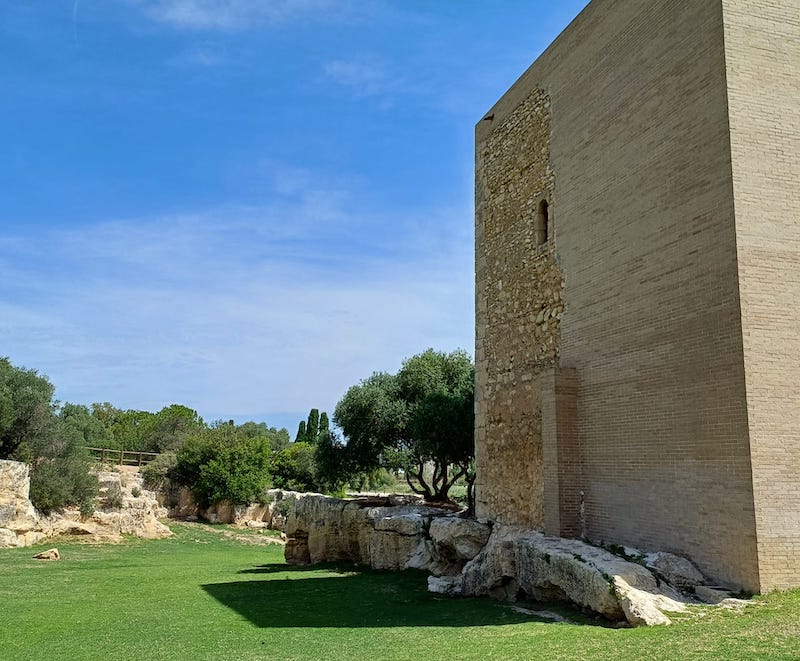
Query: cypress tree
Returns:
{"type": "Point", "coordinates": [312, 426]}
{"type": "Point", "coordinates": [301, 433]}
{"type": "Point", "coordinates": [324, 425]}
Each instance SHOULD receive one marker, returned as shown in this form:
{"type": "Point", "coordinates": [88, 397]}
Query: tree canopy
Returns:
{"type": "Point", "coordinates": [27, 408]}
{"type": "Point", "coordinates": [422, 416]}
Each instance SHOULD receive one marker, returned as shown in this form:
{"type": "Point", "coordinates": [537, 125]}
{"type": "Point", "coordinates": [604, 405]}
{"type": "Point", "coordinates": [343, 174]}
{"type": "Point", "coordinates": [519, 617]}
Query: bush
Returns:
{"type": "Point", "coordinates": [60, 481]}
{"type": "Point", "coordinates": [218, 465]}
{"type": "Point", "coordinates": [113, 497]}
{"type": "Point", "coordinates": [293, 468]}
{"type": "Point", "coordinates": [155, 474]}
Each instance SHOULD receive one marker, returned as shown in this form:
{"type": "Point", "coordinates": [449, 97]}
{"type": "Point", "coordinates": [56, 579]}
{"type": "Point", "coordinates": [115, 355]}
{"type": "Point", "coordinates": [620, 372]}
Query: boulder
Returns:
{"type": "Point", "coordinates": [397, 538]}
{"type": "Point", "coordinates": [473, 558]}
{"type": "Point", "coordinates": [674, 569]}
{"type": "Point", "coordinates": [458, 539]}
{"type": "Point", "coordinates": [451, 586]}
{"type": "Point", "coordinates": [50, 554]}
{"type": "Point", "coordinates": [519, 563]}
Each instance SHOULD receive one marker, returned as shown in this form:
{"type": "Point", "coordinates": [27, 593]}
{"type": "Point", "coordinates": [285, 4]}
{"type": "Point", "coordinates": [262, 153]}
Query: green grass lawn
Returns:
{"type": "Point", "coordinates": [204, 595]}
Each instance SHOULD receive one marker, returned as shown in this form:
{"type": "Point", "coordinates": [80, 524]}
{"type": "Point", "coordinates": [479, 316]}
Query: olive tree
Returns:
{"type": "Point", "coordinates": [27, 410]}
{"type": "Point", "coordinates": [422, 416]}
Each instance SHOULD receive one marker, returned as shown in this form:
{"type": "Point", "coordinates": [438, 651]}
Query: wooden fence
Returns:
{"type": "Point", "coordinates": [122, 457]}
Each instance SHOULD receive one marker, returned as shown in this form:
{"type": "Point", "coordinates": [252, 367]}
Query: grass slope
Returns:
{"type": "Point", "coordinates": [202, 595]}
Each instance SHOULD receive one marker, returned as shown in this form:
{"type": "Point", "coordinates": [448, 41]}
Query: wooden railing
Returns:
{"type": "Point", "coordinates": [122, 457]}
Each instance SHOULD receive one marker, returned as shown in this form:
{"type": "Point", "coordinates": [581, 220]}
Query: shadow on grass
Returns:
{"type": "Point", "coordinates": [348, 597]}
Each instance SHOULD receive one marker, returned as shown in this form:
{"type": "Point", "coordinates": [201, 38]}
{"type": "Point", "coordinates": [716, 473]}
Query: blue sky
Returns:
{"type": "Point", "coordinates": [244, 206]}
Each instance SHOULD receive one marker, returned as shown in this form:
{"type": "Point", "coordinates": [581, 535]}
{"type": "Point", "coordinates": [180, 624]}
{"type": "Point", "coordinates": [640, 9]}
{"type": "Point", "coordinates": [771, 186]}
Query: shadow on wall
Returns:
{"type": "Point", "coordinates": [348, 597]}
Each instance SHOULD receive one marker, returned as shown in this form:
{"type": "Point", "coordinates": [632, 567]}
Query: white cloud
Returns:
{"type": "Point", "coordinates": [236, 15]}
{"type": "Point", "coordinates": [238, 312]}
{"type": "Point", "coordinates": [365, 75]}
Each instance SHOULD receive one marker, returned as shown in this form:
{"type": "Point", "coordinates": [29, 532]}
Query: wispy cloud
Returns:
{"type": "Point", "coordinates": [236, 15]}
{"type": "Point", "coordinates": [197, 57]}
{"type": "Point", "coordinates": [363, 75]}
{"type": "Point", "coordinates": [238, 311]}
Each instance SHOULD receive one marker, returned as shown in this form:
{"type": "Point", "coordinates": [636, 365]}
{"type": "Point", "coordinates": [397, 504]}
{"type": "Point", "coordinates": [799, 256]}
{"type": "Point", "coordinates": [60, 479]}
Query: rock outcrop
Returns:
{"type": "Point", "coordinates": [18, 518]}
{"type": "Point", "coordinates": [272, 514]}
{"type": "Point", "coordinates": [123, 507]}
{"type": "Point", "coordinates": [376, 533]}
{"type": "Point", "coordinates": [518, 564]}
{"type": "Point", "coordinates": [473, 558]}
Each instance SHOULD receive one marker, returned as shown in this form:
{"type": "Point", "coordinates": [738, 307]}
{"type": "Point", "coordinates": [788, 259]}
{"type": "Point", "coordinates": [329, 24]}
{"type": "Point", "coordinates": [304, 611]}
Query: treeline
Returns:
{"type": "Point", "coordinates": [104, 425]}
{"type": "Point", "coordinates": [52, 438]}
{"type": "Point", "coordinates": [415, 425]}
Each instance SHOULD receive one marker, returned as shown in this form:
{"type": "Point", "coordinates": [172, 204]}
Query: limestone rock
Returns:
{"type": "Point", "coordinates": [50, 554]}
{"type": "Point", "coordinates": [712, 595]}
{"type": "Point", "coordinates": [639, 606]}
{"type": "Point", "coordinates": [519, 562]}
{"type": "Point", "coordinates": [182, 505]}
{"type": "Point", "coordinates": [8, 538]}
{"type": "Point", "coordinates": [677, 571]}
{"type": "Point", "coordinates": [324, 529]}
{"type": "Point", "coordinates": [452, 586]}
{"type": "Point", "coordinates": [458, 539]}
{"type": "Point", "coordinates": [395, 539]}
{"type": "Point", "coordinates": [503, 562]}
{"type": "Point", "coordinates": [16, 511]}
{"type": "Point", "coordinates": [23, 526]}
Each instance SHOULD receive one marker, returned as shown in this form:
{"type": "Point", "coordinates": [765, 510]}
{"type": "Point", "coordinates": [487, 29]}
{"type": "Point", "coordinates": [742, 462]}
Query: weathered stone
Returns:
{"type": "Point", "coordinates": [16, 511]}
{"type": "Point", "coordinates": [711, 595]}
{"type": "Point", "coordinates": [8, 538]}
{"type": "Point", "coordinates": [138, 515]}
{"type": "Point", "coordinates": [676, 570]}
{"type": "Point", "coordinates": [50, 554]}
{"type": "Point", "coordinates": [324, 529]}
{"type": "Point", "coordinates": [514, 564]}
{"type": "Point", "coordinates": [638, 606]}
{"type": "Point", "coordinates": [457, 538]}
{"type": "Point", "coordinates": [395, 540]}
{"type": "Point", "coordinates": [452, 586]}
{"type": "Point", "coordinates": [522, 563]}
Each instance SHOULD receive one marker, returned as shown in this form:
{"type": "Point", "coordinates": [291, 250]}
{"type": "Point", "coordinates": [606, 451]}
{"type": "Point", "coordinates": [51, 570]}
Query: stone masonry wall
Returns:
{"type": "Point", "coordinates": [519, 305]}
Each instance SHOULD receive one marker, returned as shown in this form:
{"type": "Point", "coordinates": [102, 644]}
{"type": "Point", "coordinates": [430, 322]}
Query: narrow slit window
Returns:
{"type": "Point", "coordinates": [542, 223]}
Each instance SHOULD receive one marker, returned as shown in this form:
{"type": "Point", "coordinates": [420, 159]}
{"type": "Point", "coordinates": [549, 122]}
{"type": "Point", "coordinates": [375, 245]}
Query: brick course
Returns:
{"type": "Point", "coordinates": [664, 387]}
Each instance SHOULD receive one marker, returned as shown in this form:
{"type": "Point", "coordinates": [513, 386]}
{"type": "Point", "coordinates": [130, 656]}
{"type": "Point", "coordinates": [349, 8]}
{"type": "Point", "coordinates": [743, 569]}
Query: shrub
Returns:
{"type": "Point", "coordinates": [60, 481]}
{"type": "Point", "coordinates": [136, 492]}
{"type": "Point", "coordinates": [218, 465]}
{"type": "Point", "coordinates": [113, 497]}
{"type": "Point", "coordinates": [155, 474]}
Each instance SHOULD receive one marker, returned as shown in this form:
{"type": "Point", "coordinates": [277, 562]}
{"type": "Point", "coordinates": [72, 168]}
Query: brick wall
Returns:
{"type": "Point", "coordinates": [763, 70]}
{"type": "Point", "coordinates": [646, 239]}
